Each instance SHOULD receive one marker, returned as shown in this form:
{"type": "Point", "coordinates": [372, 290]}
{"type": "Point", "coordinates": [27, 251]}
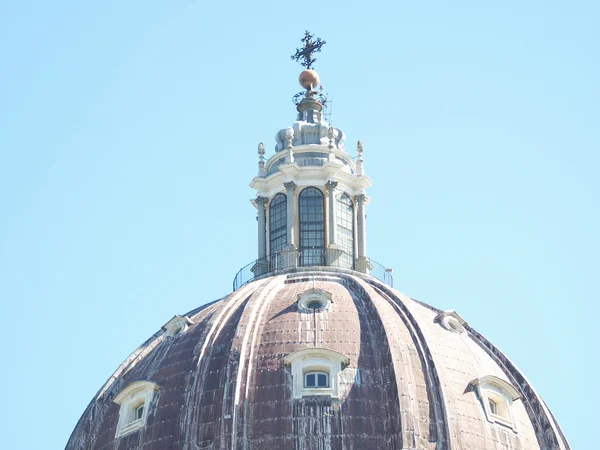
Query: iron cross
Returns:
{"type": "Point", "coordinates": [306, 52]}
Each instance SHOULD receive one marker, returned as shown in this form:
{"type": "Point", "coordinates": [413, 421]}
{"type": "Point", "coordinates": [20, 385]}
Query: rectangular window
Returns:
{"type": "Point", "coordinates": [139, 412]}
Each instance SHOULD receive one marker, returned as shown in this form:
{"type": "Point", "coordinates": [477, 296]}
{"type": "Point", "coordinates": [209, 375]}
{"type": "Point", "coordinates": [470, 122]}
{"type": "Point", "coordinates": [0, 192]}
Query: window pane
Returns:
{"type": "Point", "coordinates": [277, 225]}
{"type": "Point", "coordinates": [322, 380]}
{"type": "Point", "coordinates": [310, 380]}
{"type": "Point", "coordinates": [345, 230]}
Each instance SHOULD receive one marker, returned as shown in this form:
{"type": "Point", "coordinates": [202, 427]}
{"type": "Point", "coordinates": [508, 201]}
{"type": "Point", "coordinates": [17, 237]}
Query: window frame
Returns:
{"type": "Point", "coordinates": [176, 326]}
{"type": "Point", "coordinates": [344, 211]}
{"type": "Point", "coordinates": [452, 321]}
{"type": "Point", "coordinates": [313, 360]}
{"type": "Point", "coordinates": [137, 411]}
{"type": "Point", "coordinates": [278, 238]}
{"type": "Point", "coordinates": [316, 373]}
{"type": "Point", "coordinates": [311, 214]}
{"type": "Point", "coordinates": [314, 295]}
{"type": "Point", "coordinates": [493, 389]}
{"type": "Point", "coordinates": [135, 396]}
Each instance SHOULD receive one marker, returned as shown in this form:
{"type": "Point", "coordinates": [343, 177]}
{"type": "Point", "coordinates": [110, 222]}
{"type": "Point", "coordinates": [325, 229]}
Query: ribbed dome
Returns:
{"type": "Point", "coordinates": [411, 377]}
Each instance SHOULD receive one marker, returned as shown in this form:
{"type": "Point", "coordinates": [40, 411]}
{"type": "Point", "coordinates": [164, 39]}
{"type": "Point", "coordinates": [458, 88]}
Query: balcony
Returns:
{"type": "Point", "coordinates": [309, 257]}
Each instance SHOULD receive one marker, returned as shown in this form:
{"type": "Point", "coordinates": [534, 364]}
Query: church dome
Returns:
{"type": "Point", "coordinates": [407, 376]}
{"type": "Point", "coordinates": [314, 348]}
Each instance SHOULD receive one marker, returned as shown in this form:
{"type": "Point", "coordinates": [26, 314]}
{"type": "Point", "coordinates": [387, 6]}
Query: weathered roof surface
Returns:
{"type": "Point", "coordinates": [223, 383]}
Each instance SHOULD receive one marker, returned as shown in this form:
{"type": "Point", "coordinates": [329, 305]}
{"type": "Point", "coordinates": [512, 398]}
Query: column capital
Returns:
{"type": "Point", "coordinates": [331, 185]}
{"type": "Point", "coordinates": [261, 201]}
{"type": "Point", "coordinates": [361, 198]}
{"type": "Point", "coordinates": [290, 185]}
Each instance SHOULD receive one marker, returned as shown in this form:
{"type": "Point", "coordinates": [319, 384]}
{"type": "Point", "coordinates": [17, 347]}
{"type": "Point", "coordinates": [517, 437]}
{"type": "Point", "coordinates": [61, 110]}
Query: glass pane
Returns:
{"type": "Point", "coordinates": [345, 230]}
{"type": "Point", "coordinates": [312, 227]}
{"type": "Point", "coordinates": [310, 380]}
{"type": "Point", "coordinates": [139, 412]}
{"type": "Point", "coordinates": [277, 224]}
{"type": "Point", "coordinates": [322, 380]}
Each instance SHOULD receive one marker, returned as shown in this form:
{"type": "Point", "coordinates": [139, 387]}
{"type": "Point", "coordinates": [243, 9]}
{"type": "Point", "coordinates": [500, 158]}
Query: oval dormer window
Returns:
{"type": "Point", "coordinates": [315, 304]}
{"type": "Point", "coordinates": [313, 300]}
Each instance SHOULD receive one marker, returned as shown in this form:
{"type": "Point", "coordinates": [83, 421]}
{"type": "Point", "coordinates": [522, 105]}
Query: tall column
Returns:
{"type": "Point", "coordinates": [261, 203]}
{"type": "Point", "coordinates": [290, 187]}
{"type": "Point", "coordinates": [331, 185]}
{"type": "Point", "coordinates": [362, 264]}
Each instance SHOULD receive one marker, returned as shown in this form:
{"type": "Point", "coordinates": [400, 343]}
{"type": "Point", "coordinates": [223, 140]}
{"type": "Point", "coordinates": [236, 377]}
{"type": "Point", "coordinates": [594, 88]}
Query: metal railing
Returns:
{"type": "Point", "coordinates": [308, 257]}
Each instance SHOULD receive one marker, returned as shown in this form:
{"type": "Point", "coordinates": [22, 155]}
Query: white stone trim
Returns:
{"type": "Point", "coordinates": [500, 392]}
{"type": "Point", "coordinates": [311, 295]}
{"type": "Point", "coordinates": [130, 399]}
{"type": "Point", "coordinates": [303, 176]}
{"type": "Point", "coordinates": [309, 148]}
{"type": "Point", "coordinates": [177, 325]}
{"type": "Point", "coordinates": [451, 321]}
{"type": "Point", "coordinates": [316, 360]}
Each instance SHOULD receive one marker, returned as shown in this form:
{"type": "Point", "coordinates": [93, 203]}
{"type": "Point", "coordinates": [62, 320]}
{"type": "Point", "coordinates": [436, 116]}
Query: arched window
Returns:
{"type": "Point", "coordinates": [345, 230]}
{"type": "Point", "coordinates": [134, 401]}
{"type": "Point", "coordinates": [316, 371]}
{"type": "Point", "coordinates": [497, 397]}
{"type": "Point", "coordinates": [312, 227]}
{"type": "Point", "coordinates": [277, 227]}
{"type": "Point", "coordinates": [316, 379]}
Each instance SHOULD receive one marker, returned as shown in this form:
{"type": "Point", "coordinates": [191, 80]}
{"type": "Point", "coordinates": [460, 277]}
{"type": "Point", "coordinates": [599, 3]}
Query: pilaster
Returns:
{"type": "Point", "coordinates": [333, 251]}
{"type": "Point", "coordinates": [332, 225]}
{"type": "Point", "coordinates": [261, 203]}
{"type": "Point", "coordinates": [290, 188]}
{"type": "Point", "coordinates": [362, 264]}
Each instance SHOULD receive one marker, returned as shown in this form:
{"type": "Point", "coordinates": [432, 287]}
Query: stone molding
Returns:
{"type": "Point", "coordinates": [130, 399]}
{"type": "Point", "coordinates": [316, 359]}
{"type": "Point", "coordinates": [177, 325]}
{"type": "Point", "coordinates": [451, 321]}
{"type": "Point", "coordinates": [502, 393]}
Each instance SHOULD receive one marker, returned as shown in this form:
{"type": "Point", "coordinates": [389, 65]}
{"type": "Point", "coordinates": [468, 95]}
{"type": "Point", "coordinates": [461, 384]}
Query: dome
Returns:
{"type": "Point", "coordinates": [409, 376]}
{"type": "Point", "coordinates": [314, 349]}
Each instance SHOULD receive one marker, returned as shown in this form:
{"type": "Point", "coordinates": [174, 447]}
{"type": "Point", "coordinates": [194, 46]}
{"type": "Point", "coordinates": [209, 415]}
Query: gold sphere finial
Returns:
{"type": "Point", "coordinates": [309, 79]}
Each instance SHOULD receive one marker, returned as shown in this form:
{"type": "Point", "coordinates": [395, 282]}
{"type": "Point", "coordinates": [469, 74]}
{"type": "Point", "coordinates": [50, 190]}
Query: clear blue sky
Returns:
{"type": "Point", "coordinates": [128, 135]}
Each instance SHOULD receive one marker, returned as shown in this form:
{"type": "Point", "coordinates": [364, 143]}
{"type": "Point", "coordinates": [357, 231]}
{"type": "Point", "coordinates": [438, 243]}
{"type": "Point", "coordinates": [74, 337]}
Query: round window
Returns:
{"type": "Point", "coordinates": [454, 325]}
{"type": "Point", "coordinates": [314, 304]}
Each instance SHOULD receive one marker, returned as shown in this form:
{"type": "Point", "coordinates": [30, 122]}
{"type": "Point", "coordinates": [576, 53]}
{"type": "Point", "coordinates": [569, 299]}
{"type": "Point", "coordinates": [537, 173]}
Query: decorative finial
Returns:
{"type": "Point", "coordinates": [309, 79]}
{"type": "Point", "coordinates": [261, 159]}
{"type": "Point", "coordinates": [289, 136]}
{"type": "Point", "coordinates": [306, 52]}
{"type": "Point", "coordinates": [360, 163]}
{"type": "Point", "coordinates": [331, 137]}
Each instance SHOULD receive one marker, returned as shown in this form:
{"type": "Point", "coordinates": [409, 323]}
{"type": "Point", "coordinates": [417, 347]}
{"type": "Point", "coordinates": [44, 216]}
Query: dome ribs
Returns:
{"type": "Point", "coordinates": [548, 432]}
{"type": "Point", "coordinates": [253, 322]}
{"type": "Point", "coordinates": [414, 397]}
{"type": "Point", "coordinates": [223, 383]}
{"type": "Point", "coordinates": [375, 363]}
{"type": "Point", "coordinates": [438, 420]}
{"type": "Point", "coordinates": [199, 421]}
